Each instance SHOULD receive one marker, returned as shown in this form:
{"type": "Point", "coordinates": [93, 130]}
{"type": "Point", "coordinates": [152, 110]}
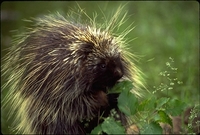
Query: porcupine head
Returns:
{"type": "Point", "coordinates": [60, 71]}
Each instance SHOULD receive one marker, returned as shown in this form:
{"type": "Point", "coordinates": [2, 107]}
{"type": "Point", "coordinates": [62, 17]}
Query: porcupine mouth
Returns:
{"type": "Point", "coordinates": [105, 87]}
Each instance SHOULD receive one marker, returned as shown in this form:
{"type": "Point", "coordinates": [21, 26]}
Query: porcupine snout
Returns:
{"type": "Point", "coordinates": [118, 70]}
{"type": "Point", "coordinates": [115, 72]}
{"type": "Point", "coordinates": [118, 73]}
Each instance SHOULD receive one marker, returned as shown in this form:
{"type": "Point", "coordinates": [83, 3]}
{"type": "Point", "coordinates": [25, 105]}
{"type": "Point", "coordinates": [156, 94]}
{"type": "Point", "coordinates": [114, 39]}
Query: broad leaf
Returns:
{"type": "Point", "coordinates": [175, 107]}
{"type": "Point", "coordinates": [163, 117]}
{"type": "Point", "coordinates": [97, 130]}
{"type": "Point", "coordinates": [127, 102]}
{"type": "Point", "coordinates": [151, 128]}
{"type": "Point", "coordinates": [110, 126]}
{"type": "Point", "coordinates": [160, 102]}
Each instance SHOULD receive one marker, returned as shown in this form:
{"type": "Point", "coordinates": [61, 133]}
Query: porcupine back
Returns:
{"type": "Point", "coordinates": [50, 71]}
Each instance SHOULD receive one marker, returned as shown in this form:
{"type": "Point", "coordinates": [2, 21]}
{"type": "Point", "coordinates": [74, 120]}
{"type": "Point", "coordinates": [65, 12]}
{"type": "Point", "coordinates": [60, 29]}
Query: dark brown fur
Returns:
{"type": "Point", "coordinates": [60, 75]}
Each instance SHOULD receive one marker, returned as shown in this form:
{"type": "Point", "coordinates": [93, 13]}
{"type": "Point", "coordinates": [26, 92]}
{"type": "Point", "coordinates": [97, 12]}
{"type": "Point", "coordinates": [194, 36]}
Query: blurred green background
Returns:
{"type": "Point", "coordinates": [163, 30]}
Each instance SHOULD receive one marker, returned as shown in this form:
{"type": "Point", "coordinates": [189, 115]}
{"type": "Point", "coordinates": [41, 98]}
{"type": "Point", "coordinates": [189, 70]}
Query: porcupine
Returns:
{"type": "Point", "coordinates": [60, 72]}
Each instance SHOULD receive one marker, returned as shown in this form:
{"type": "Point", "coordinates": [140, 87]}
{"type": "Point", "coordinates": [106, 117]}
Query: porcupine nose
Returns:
{"type": "Point", "coordinates": [118, 73]}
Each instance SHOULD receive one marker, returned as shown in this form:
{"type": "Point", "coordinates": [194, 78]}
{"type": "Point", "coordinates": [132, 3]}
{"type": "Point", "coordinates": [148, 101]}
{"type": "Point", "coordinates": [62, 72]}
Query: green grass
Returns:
{"type": "Point", "coordinates": [163, 30]}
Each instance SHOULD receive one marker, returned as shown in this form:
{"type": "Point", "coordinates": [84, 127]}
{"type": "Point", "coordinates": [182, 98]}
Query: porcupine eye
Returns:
{"type": "Point", "coordinates": [103, 66]}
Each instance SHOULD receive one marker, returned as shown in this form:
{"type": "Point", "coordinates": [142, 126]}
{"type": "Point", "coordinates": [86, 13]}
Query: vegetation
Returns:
{"type": "Point", "coordinates": [152, 114]}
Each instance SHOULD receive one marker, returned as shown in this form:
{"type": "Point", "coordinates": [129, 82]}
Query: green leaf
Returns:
{"type": "Point", "coordinates": [163, 117]}
{"type": "Point", "coordinates": [151, 128]}
{"type": "Point", "coordinates": [110, 126]}
{"type": "Point", "coordinates": [175, 107]}
{"type": "Point", "coordinates": [97, 130]}
{"type": "Point", "coordinates": [160, 102]}
{"type": "Point", "coordinates": [119, 87]}
{"type": "Point", "coordinates": [147, 104]}
{"type": "Point", "coordinates": [127, 102]}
